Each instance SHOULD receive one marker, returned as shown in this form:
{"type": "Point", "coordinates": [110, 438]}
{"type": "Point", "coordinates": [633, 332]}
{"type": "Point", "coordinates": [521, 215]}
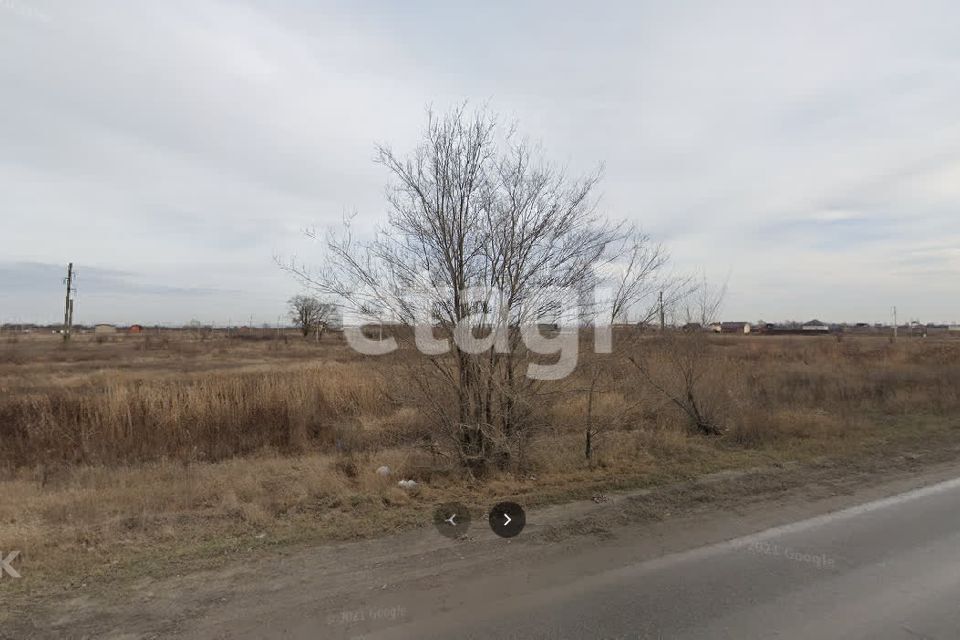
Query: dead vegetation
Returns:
{"type": "Point", "coordinates": [116, 404]}
{"type": "Point", "coordinates": [205, 445]}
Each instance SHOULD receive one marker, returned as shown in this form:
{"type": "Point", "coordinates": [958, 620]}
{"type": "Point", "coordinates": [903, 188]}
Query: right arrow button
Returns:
{"type": "Point", "coordinates": [507, 519]}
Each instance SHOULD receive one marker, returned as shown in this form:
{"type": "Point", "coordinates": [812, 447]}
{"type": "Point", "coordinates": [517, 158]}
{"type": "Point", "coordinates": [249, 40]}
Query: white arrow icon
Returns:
{"type": "Point", "coordinates": [507, 516]}
{"type": "Point", "coordinates": [450, 520]}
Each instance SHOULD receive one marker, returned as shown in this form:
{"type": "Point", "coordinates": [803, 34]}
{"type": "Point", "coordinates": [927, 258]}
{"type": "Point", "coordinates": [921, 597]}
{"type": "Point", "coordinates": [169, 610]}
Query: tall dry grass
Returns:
{"type": "Point", "coordinates": [209, 417]}
{"type": "Point", "coordinates": [763, 390]}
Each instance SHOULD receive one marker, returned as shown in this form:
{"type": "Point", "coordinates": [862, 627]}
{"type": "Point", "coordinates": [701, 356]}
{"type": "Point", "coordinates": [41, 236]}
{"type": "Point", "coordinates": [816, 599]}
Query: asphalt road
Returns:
{"type": "Point", "coordinates": [884, 569]}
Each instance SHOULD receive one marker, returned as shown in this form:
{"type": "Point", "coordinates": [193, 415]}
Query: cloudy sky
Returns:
{"type": "Point", "coordinates": [808, 152]}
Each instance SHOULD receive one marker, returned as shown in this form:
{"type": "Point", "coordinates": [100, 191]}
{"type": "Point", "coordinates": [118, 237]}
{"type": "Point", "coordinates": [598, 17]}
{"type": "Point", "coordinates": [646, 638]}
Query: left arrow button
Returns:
{"type": "Point", "coordinates": [451, 519]}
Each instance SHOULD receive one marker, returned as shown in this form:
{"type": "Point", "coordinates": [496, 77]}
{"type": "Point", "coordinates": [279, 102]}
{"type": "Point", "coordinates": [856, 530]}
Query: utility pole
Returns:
{"type": "Point", "coordinates": [68, 305]}
{"type": "Point", "coordinates": [663, 319]}
{"type": "Point", "coordinates": [895, 328]}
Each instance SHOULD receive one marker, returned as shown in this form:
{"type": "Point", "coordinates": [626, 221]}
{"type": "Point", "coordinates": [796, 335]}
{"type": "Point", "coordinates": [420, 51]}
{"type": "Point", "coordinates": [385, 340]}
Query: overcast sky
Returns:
{"type": "Point", "coordinates": [807, 151]}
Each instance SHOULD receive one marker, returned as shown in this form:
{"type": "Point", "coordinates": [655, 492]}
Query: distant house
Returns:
{"type": "Point", "coordinates": [735, 327]}
{"type": "Point", "coordinates": [816, 326]}
{"type": "Point", "coordinates": [936, 328]}
{"type": "Point", "coordinates": [104, 329]}
{"type": "Point", "coordinates": [692, 327]}
{"type": "Point", "coordinates": [135, 328]}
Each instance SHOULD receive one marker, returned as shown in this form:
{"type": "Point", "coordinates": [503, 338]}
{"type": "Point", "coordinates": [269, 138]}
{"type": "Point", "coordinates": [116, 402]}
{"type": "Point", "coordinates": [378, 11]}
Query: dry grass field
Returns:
{"type": "Point", "coordinates": [142, 454]}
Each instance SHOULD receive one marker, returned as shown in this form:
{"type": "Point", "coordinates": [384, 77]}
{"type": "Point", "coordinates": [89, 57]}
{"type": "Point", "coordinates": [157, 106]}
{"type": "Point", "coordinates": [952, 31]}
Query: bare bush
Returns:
{"type": "Point", "coordinates": [684, 369]}
{"type": "Point", "coordinates": [687, 372]}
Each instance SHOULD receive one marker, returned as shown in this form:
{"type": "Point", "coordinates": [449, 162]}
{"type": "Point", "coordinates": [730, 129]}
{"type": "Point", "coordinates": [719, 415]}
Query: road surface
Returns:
{"type": "Point", "coordinates": [885, 569]}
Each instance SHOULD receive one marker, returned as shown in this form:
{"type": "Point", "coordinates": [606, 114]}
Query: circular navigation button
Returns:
{"type": "Point", "coordinates": [451, 519]}
{"type": "Point", "coordinates": [507, 519]}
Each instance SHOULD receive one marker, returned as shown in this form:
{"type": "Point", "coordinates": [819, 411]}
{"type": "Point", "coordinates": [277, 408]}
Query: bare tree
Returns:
{"type": "Point", "coordinates": [310, 314]}
{"type": "Point", "coordinates": [642, 289]}
{"type": "Point", "coordinates": [639, 278]}
{"type": "Point", "coordinates": [483, 233]}
{"type": "Point", "coordinates": [703, 303]}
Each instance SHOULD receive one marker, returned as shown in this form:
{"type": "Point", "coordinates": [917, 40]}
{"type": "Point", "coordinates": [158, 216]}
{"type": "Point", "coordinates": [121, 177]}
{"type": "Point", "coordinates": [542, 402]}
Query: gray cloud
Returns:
{"type": "Point", "coordinates": [36, 277]}
{"type": "Point", "coordinates": [102, 295]}
{"type": "Point", "coordinates": [811, 150]}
